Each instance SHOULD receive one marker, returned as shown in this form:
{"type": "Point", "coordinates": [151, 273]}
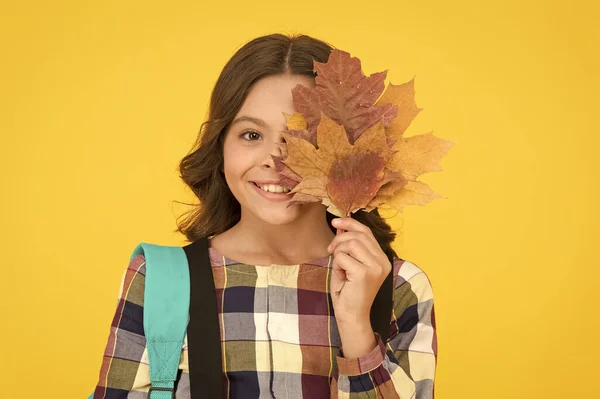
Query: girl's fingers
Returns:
{"type": "Point", "coordinates": [350, 224]}
{"type": "Point", "coordinates": [369, 243]}
{"type": "Point", "coordinates": [357, 250]}
{"type": "Point", "coordinates": [344, 264]}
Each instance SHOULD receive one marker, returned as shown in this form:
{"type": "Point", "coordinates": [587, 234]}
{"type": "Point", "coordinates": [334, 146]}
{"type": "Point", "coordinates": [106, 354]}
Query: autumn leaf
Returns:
{"type": "Point", "coordinates": [345, 145]}
{"type": "Point", "coordinates": [345, 95]}
{"type": "Point", "coordinates": [297, 126]}
{"type": "Point", "coordinates": [420, 154]}
{"type": "Point", "coordinates": [288, 178]}
{"type": "Point", "coordinates": [347, 175]}
{"type": "Point", "coordinates": [305, 160]}
{"type": "Point", "coordinates": [354, 180]}
{"type": "Point", "coordinates": [295, 121]}
{"type": "Point", "coordinates": [403, 96]}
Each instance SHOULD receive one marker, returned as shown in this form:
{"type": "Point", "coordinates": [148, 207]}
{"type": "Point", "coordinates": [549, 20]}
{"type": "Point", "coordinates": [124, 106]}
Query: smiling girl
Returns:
{"type": "Point", "coordinates": [277, 268]}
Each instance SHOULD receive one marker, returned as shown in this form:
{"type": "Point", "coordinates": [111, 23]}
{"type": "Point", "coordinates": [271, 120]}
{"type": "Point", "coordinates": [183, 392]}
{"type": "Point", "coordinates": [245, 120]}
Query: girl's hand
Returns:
{"type": "Point", "coordinates": [360, 267]}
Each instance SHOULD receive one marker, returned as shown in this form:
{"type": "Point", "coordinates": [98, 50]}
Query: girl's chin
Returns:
{"type": "Point", "coordinates": [280, 216]}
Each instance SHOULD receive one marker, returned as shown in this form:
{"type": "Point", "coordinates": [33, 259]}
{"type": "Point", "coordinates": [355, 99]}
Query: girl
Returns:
{"type": "Point", "coordinates": [285, 332]}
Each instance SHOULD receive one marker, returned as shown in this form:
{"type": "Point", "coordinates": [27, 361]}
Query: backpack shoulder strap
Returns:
{"type": "Point", "coordinates": [204, 333]}
{"type": "Point", "coordinates": [381, 310]}
{"type": "Point", "coordinates": [166, 313]}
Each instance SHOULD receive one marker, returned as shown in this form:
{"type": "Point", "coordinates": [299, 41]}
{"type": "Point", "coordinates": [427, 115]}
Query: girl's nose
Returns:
{"type": "Point", "coordinates": [277, 149]}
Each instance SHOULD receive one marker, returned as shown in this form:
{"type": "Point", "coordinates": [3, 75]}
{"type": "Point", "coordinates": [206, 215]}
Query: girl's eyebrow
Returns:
{"type": "Point", "coordinates": [256, 121]}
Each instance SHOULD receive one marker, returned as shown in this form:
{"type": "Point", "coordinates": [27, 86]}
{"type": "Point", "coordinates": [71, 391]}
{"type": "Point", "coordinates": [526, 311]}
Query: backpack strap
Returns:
{"type": "Point", "coordinates": [204, 333]}
{"type": "Point", "coordinates": [381, 310]}
{"type": "Point", "coordinates": [166, 313]}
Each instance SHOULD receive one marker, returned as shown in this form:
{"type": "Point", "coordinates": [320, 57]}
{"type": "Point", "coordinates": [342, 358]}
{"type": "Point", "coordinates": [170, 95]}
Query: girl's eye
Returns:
{"type": "Point", "coordinates": [252, 135]}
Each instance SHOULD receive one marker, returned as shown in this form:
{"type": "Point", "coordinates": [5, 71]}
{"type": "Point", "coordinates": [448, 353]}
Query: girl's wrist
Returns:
{"type": "Point", "coordinates": [358, 339]}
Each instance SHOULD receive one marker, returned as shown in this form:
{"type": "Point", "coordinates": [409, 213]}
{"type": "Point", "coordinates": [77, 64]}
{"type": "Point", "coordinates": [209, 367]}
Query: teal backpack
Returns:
{"type": "Point", "coordinates": [166, 313]}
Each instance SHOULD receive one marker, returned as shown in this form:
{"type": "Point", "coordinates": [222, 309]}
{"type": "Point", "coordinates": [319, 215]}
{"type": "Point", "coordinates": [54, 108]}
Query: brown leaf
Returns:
{"type": "Point", "coordinates": [288, 178]}
{"type": "Point", "coordinates": [354, 181]}
{"type": "Point", "coordinates": [311, 137]}
{"type": "Point", "coordinates": [306, 101]}
{"type": "Point", "coordinates": [345, 95]}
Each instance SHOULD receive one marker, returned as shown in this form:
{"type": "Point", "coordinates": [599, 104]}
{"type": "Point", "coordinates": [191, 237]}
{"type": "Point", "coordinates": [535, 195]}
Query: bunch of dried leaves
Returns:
{"type": "Point", "coordinates": [345, 145]}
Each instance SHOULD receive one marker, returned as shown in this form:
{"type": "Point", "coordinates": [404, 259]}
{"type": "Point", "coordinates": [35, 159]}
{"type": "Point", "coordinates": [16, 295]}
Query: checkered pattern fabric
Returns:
{"type": "Point", "coordinates": [279, 337]}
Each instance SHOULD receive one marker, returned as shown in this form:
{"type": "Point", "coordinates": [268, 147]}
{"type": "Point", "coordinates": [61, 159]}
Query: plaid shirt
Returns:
{"type": "Point", "coordinates": [279, 337]}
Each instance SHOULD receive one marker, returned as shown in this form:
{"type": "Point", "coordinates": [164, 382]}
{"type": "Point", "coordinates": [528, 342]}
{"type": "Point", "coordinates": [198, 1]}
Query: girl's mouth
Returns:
{"type": "Point", "coordinates": [274, 197]}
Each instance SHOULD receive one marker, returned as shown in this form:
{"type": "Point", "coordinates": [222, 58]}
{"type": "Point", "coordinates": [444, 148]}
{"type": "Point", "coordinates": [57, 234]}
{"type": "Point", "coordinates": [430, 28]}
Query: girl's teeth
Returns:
{"type": "Point", "coordinates": [274, 189]}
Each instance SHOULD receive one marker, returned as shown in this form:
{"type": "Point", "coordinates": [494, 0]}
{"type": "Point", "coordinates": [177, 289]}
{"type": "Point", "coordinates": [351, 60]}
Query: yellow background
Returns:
{"type": "Point", "coordinates": [100, 100]}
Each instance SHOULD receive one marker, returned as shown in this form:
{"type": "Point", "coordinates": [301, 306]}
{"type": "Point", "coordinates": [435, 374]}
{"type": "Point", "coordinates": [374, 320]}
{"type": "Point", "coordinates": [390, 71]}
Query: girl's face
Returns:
{"type": "Point", "coordinates": [255, 135]}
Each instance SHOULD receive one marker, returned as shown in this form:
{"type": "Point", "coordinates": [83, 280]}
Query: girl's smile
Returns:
{"type": "Point", "coordinates": [271, 196]}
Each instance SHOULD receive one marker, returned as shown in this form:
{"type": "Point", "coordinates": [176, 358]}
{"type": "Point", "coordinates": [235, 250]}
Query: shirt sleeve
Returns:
{"type": "Point", "coordinates": [125, 362]}
{"type": "Point", "coordinates": [403, 367]}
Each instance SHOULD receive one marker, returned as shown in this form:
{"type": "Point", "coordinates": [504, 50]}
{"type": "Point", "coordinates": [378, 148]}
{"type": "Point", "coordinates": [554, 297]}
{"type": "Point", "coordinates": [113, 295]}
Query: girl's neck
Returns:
{"type": "Point", "coordinates": [257, 242]}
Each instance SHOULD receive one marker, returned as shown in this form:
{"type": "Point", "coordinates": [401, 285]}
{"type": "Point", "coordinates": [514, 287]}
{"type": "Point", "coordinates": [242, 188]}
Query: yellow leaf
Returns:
{"type": "Point", "coordinates": [295, 121]}
{"type": "Point", "coordinates": [305, 161]}
{"type": "Point", "coordinates": [317, 187]}
{"type": "Point", "coordinates": [373, 140]}
{"type": "Point", "coordinates": [404, 97]}
{"type": "Point", "coordinates": [413, 193]}
{"type": "Point", "coordinates": [303, 198]}
{"type": "Point", "coordinates": [332, 141]}
{"type": "Point", "coordinates": [393, 184]}
{"type": "Point", "coordinates": [331, 208]}
{"type": "Point", "coordinates": [419, 154]}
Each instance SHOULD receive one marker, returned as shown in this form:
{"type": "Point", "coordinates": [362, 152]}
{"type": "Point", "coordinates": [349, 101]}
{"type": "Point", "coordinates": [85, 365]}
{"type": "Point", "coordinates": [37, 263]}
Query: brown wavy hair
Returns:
{"type": "Point", "coordinates": [202, 168]}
